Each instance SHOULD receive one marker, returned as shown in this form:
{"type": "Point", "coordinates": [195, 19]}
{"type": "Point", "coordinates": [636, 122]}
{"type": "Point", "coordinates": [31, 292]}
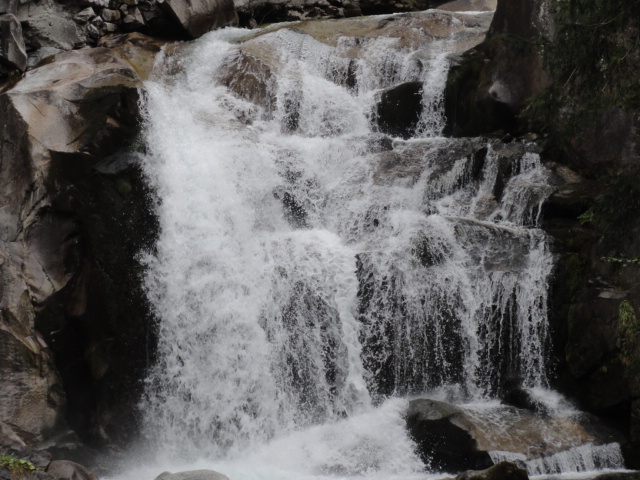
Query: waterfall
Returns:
{"type": "Point", "coordinates": [312, 272]}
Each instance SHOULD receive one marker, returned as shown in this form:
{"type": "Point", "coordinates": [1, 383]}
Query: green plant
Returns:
{"type": "Point", "coordinates": [17, 466]}
{"type": "Point", "coordinates": [624, 261]}
{"type": "Point", "coordinates": [586, 217]}
{"type": "Point", "coordinates": [628, 329]}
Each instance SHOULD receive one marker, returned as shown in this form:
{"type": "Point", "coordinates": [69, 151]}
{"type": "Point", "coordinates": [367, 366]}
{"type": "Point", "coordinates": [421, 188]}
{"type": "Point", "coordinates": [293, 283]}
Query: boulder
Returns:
{"type": "Point", "coordinates": [64, 118]}
{"type": "Point", "coordinates": [68, 470]}
{"type": "Point", "coordinates": [499, 471]}
{"type": "Point", "coordinates": [192, 475]}
{"type": "Point", "coordinates": [198, 17]}
{"type": "Point", "coordinates": [451, 438]}
{"type": "Point", "coordinates": [443, 445]}
{"type": "Point", "coordinates": [13, 55]}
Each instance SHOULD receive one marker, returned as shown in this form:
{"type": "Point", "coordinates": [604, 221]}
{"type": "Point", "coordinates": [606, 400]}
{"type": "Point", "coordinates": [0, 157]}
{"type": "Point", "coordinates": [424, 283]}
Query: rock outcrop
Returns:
{"type": "Point", "coordinates": [74, 216]}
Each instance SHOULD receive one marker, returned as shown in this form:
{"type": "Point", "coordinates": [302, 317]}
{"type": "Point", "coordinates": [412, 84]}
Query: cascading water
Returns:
{"type": "Point", "coordinates": [309, 268]}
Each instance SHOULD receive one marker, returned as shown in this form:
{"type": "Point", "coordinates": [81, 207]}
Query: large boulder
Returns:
{"type": "Point", "coordinates": [442, 444]}
{"type": "Point", "coordinates": [64, 190]}
{"type": "Point", "coordinates": [456, 438]}
{"type": "Point", "coordinates": [68, 470]}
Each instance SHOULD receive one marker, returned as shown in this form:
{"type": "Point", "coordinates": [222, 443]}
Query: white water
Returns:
{"type": "Point", "coordinates": [302, 277]}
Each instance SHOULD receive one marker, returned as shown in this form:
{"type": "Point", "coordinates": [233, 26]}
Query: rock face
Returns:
{"type": "Point", "coordinates": [490, 84]}
{"type": "Point", "coordinates": [592, 214]}
{"type": "Point", "coordinates": [75, 214]}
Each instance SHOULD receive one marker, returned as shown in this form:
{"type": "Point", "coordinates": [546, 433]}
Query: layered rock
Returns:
{"type": "Point", "coordinates": [592, 214]}
{"type": "Point", "coordinates": [457, 438]}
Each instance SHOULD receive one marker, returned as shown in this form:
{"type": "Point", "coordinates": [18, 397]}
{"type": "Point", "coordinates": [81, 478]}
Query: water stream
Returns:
{"type": "Point", "coordinates": [312, 274]}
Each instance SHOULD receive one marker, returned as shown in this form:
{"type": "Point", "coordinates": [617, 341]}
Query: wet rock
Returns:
{"type": "Point", "coordinates": [192, 475]}
{"type": "Point", "coordinates": [462, 435]}
{"type": "Point", "coordinates": [442, 444]}
{"type": "Point", "coordinates": [499, 471]}
{"type": "Point", "coordinates": [13, 55]}
{"type": "Point", "coordinates": [250, 77]}
{"type": "Point", "coordinates": [201, 16]}
{"type": "Point", "coordinates": [399, 108]}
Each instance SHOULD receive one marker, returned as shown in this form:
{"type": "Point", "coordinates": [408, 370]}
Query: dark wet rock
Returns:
{"type": "Point", "coordinates": [13, 55]}
{"type": "Point", "coordinates": [499, 471]}
{"type": "Point", "coordinates": [442, 444]}
{"type": "Point", "coordinates": [399, 108]}
{"type": "Point", "coordinates": [516, 395]}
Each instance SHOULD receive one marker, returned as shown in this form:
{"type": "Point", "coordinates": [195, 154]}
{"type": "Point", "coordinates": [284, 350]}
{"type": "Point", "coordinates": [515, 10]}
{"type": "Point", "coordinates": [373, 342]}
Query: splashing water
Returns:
{"type": "Point", "coordinates": [309, 268]}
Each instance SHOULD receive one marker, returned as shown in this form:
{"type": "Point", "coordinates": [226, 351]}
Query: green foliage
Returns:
{"type": "Point", "coordinates": [628, 329]}
{"type": "Point", "coordinates": [622, 260]}
{"type": "Point", "coordinates": [596, 50]}
{"type": "Point", "coordinates": [17, 466]}
{"type": "Point", "coordinates": [586, 217]}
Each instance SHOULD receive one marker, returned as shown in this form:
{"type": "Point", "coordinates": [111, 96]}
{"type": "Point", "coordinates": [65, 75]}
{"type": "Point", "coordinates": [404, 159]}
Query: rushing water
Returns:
{"type": "Point", "coordinates": [311, 273]}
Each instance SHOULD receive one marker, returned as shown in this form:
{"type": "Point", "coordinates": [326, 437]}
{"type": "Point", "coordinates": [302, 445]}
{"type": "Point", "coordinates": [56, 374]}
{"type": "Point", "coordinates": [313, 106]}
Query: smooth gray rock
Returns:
{"type": "Point", "coordinates": [192, 475]}
{"type": "Point", "coordinates": [13, 55]}
{"type": "Point", "coordinates": [68, 470]}
{"type": "Point", "coordinates": [198, 17]}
